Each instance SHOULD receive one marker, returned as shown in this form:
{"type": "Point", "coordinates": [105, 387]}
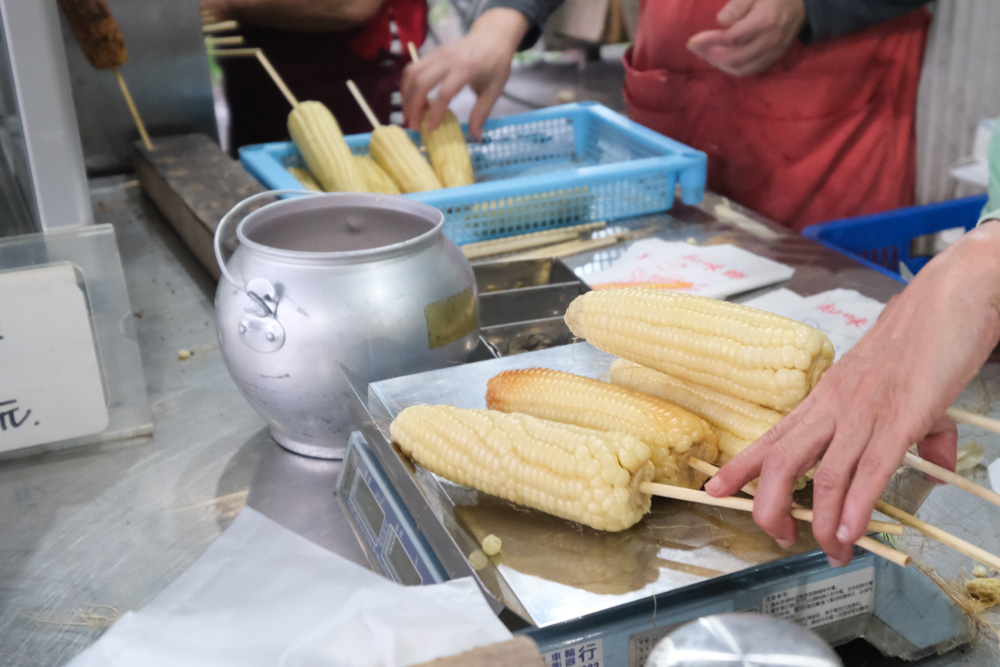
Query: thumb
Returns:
{"type": "Point", "coordinates": [733, 11]}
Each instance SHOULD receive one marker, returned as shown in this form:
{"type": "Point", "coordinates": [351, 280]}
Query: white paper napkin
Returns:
{"type": "Point", "coordinates": [845, 315]}
{"type": "Point", "coordinates": [263, 595]}
{"type": "Point", "coordinates": [717, 271]}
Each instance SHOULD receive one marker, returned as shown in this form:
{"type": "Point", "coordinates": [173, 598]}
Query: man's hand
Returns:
{"type": "Point", "coordinates": [754, 34]}
{"type": "Point", "coordinates": [481, 60]}
{"type": "Point", "coordinates": [887, 392]}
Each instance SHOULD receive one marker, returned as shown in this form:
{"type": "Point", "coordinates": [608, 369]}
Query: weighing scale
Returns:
{"type": "Point", "coordinates": [595, 599]}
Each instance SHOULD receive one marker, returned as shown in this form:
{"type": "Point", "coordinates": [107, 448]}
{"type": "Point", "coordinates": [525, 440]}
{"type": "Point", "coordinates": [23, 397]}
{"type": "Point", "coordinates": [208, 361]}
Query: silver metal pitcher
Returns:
{"type": "Point", "coordinates": [363, 280]}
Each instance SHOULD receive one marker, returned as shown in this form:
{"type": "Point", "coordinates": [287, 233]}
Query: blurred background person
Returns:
{"type": "Point", "coordinates": [806, 108]}
{"type": "Point", "coordinates": [316, 46]}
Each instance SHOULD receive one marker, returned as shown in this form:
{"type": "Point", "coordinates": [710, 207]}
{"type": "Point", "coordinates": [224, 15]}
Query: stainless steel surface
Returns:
{"type": "Point", "coordinates": [742, 640]}
{"type": "Point", "coordinates": [42, 179]}
{"type": "Point", "coordinates": [98, 531]}
{"type": "Point", "coordinates": [381, 291]}
{"type": "Point", "coordinates": [553, 570]}
{"type": "Point", "coordinates": [167, 75]}
{"type": "Point", "coordinates": [112, 525]}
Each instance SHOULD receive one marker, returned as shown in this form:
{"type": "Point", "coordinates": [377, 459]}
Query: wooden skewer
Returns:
{"type": "Point", "coordinates": [952, 478]}
{"type": "Point", "coordinates": [414, 56]}
{"type": "Point", "coordinates": [278, 81]}
{"type": "Point", "coordinates": [221, 26]}
{"type": "Point", "coordinates": [133, 110]}
{"type": "Point", "coordinates": [360, 99]}
{"type": "Point", "coordinates": [876, 526]}
{"type": "Point", "coordinates": [933, 532]}
{"type": "Point", "coordinates": [527, 241]}
{"type": "Point", "coordinates": [232, 40]}
{"type": "Point", "coordinates": [746, 505]}
{"type": "Point", "coordinates": [222, 53]}
{"type": "Point", "coordinates": [972, 419]}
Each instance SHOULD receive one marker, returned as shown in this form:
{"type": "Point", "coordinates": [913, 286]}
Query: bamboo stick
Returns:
{"type": "Point", "coordinates": [232, 40]}
{"type": "Point", "coordinates": [746, 505]}
{"type": "Point", "coordinates": [278, 81]}
{"type": "Point", "coordinates": [220, 26]}
{"type": "Point", "coordinates": [528, 241]}
{"type": "Point", "coordinates": [972, 419]}
{"type": "Point", "coordinates": [935, 533]}
{"type": "Point", "coordinates": [363, 103]}
{"type": "Point", "coordinates": [133, 110]}
{"type": "Point", "coordinates": [876, 526]}
{"type": "Point", "coordinates": [952, 478]}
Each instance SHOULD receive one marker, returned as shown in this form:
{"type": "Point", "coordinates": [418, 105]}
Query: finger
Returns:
{"type": "Point", "coordinates": [702, 41]}
{"type": "Point", "coordinates": [831, 482]}
{"type": "Point", "coordinates": [419, 79]}
{"type": "Point", "coordinates": [481, 110]}
{"type": "Point", "coordinates": [747, 464]}
{"type": "Point", "coordinates": [788, 459]}
{"type": "Point", "coordinates": [940, 446]}
{"type": "Point", "coordinates": [879, 461]}
{"type": "Point", "coordinates": [733, 11]}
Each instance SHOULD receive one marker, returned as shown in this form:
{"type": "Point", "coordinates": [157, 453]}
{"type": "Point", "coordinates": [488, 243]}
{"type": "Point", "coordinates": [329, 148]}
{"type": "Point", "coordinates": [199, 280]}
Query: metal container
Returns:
{"type": "Point", "coordinates": [321, 283]}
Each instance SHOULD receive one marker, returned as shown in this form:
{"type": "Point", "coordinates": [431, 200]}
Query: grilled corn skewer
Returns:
{"type": "Point", "coordinates": [448, 152]}
{"type": "Point", "coordinates": [396, 153]}
{"type": "Point", "coordinates": [672, 433]}
{"type": "Point", "coordinates": [318, 137]}
{"type": "Point", "coordinates": [581, 474]}
{"type": "Point", "coordinates": [737, 350]}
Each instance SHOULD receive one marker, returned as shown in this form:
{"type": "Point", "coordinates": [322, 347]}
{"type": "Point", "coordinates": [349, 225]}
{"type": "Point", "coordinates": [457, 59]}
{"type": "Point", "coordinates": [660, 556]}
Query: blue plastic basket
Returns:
{"type": "Point", "coordinates": [539, 170]}
{"type": "Point", "coordinates": [883, 240]}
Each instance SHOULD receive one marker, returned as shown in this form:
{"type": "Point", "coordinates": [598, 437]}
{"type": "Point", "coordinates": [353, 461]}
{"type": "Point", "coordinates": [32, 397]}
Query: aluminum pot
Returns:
{"type": "Point", "coordinates": [364, 281]}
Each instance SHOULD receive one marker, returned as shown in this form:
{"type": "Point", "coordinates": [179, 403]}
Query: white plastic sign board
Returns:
{"type": "Point", "coordinates": [50, 380]}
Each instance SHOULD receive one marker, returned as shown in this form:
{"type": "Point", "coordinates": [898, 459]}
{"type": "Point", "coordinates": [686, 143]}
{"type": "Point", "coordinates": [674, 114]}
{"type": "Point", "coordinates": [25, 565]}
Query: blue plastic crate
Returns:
{"type": "Point", "coordinates": [539, 170]}
{"type": "Point", "coordinates": [883, 240]}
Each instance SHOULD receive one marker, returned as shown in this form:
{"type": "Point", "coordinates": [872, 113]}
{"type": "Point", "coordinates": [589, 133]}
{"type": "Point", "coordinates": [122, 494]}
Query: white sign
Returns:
{"type": "Point", "coordinates": [825, 601]}
{"type": "Point", "coordinates": [50, 380]}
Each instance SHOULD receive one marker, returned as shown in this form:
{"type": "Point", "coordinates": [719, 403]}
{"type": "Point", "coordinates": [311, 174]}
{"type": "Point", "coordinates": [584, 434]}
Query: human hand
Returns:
{"type": "Point", "coordinates": [754, 34]}
{"type": "Point", "coordinates": [218, 9]}
{"type": "Point", "coordinates": [887, 392]}
{"type": "Point", "coordinates": [481, 60]}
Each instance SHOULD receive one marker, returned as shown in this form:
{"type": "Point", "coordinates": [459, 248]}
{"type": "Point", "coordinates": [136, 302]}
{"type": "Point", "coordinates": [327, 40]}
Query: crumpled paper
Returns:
{"type": "Point", "coordinates": [263, 595]}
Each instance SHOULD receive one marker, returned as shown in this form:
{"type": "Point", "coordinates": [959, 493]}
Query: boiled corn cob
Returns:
{"type": "Point", "coordinates": [395, 152]}
{"type": "Point", "coordinates": [318, 137]}
{"type": "Point", "coordinates": [736, 421]}
{"type": "Point", "coordinates": [671, 433]}
{"type": "Point", "coordinates": [580, 474]}
{"type": "Point", "coordinates": [374, 176]}
{"type": "Point", "coordinates": [741, 351]}
{"type": "Point", "coordinates": [448, 152]}
{"type": "Point", "coordinates": [304, 177]}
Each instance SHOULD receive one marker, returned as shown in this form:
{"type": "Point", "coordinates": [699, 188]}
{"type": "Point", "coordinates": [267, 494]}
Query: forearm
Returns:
{"type": "Point", "coordinates": [536, 12]}
{"type": "Point", "coordinates": [830, 18]}
{"type": "Point", "coordinates": [303, 15]}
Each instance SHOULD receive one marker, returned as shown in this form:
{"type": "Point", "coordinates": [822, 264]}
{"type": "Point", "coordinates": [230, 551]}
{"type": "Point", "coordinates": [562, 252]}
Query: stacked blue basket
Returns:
{"type": "Point", "coordinates": [539, 170]}
{"type": "Point", "coordinates": [883, 240]}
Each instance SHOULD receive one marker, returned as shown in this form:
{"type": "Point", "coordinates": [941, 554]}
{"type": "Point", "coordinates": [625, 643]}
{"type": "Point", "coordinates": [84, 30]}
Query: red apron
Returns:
{"type": "Point", "coordinates": [826, 132]}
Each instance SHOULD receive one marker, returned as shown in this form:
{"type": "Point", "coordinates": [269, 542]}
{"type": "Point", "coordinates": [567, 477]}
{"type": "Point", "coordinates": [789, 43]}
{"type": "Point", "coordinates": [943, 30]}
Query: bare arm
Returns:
{"type": "Point", "coordinates": [304, 15]}
{"type": "Point", "coordinates": [889, 391]}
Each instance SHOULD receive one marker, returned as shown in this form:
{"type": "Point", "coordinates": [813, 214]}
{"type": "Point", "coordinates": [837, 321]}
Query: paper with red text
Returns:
{"type": "Point", "coordinates": [717, 271]}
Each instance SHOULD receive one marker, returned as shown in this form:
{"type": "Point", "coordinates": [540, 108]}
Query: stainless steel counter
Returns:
{"type": "Point", "coordinates": [90, 533]}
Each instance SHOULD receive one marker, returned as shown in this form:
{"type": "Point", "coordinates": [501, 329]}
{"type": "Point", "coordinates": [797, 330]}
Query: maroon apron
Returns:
{"type": "Point", "coordinates": [827, 131]}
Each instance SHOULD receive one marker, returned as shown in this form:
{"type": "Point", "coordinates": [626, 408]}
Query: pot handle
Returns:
{"type": "Point", "coordinates": [236, 212]}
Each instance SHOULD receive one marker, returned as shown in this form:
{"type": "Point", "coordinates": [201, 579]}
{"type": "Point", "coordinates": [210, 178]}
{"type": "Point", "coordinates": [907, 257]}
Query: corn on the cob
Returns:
{"type": "Point", "coordinates": [736, 421]}
{"type": "Point", "coordinates": [318, 137]}
{"type": "Point", "coordinates": [576, 473]}
{"type": "Point", "coordinates": [304, 177]}
{"type": "Point", "coordinates": [374, 176]}
{"type": "Point", "coordinates": [671, 433]}
{"type": "Point", "coordinates": [395, 152]}
{"type": "Point", "coordinates": [448, 152]}
{"type": "Point", "coordinates": [741, 351]}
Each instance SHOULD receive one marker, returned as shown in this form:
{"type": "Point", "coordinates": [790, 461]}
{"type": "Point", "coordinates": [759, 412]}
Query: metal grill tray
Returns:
{"type": "Point", "coordinates": [551, 570]}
